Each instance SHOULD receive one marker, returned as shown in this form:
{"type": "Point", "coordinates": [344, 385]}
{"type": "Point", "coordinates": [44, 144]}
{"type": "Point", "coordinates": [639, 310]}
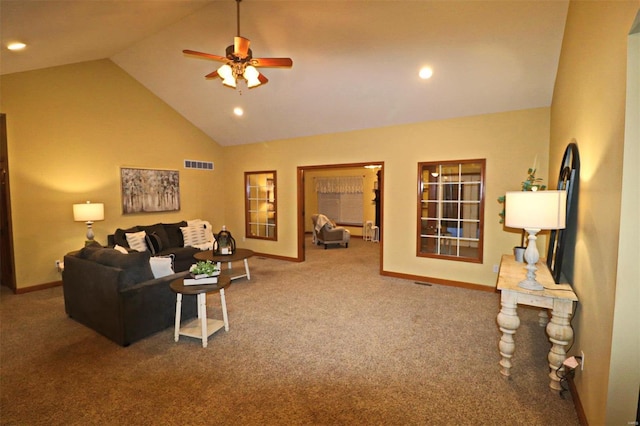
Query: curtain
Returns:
{"type": "Point", "coordinates": [339, 184]}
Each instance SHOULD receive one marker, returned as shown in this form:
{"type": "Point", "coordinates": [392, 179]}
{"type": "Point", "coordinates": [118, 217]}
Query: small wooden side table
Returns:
{"type": "Point", "coordinates": [202, 327]}
{"type": "Point", "coordinates": [238, 254]}
{"type": "Point", "coordinates": [557, 297]}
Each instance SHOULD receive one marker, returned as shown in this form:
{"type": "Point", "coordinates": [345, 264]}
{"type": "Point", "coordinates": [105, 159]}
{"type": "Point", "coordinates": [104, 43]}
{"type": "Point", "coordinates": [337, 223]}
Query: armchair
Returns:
{"type": "Point", "coordinates": [326, 232]}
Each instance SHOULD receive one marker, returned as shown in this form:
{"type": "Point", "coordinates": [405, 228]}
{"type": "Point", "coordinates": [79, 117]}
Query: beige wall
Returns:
{"type": "Point", "coordinates": [509, 141]}
{"type": "Point", "coordinates": [589, 107]}
{"type": "Point", "coordinates": [70, 129]}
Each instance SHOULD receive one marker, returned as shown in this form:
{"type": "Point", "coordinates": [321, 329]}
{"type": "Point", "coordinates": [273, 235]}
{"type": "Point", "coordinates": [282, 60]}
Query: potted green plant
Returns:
{"type": "Point", "coordinates": [203, 272]}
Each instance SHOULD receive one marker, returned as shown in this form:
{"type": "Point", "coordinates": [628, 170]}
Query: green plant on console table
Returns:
{"type": "Point", "coordinates": [207, 268]}
{"type": "Point", "coordinates": [532, 183]}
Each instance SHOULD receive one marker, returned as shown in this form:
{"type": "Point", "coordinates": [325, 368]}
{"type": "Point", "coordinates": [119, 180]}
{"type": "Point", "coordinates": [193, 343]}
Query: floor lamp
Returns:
{"type": "Point", "coordinates": [534, 211]}
{"type": "Point", "coordinates": [88, 213]}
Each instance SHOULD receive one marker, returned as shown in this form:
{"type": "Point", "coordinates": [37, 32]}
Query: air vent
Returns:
{"type": "Point", "coordinates": [200, 165]}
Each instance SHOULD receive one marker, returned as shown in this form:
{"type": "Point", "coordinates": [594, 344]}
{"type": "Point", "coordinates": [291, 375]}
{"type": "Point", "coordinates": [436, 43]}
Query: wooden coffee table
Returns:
{"type": "Point", "coordinates": [202, 327]}
{"type": "Point", "coordinates": [238, 254]}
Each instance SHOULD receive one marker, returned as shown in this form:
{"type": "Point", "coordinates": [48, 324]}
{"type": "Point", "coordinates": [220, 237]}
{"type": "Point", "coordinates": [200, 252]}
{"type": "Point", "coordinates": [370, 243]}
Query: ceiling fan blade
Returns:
{"type": "Point", "coordinates": [205, 55]}
{"type": "Point", "coordinates": [262, 78]}
{"type": "Point", "coordinates": [241, 47]}
{"type": "Point", "coordinates": [272, 62]}
{"type": "Point", "coordinates": [212, 74]}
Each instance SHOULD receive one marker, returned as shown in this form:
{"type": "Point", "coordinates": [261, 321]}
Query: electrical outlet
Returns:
{"type": "Point", "coordinates": [582, 361]}
{"type": "Point", "coordinates": [57, 264]}
{"type": "Point", "coordinates": [496, 268]}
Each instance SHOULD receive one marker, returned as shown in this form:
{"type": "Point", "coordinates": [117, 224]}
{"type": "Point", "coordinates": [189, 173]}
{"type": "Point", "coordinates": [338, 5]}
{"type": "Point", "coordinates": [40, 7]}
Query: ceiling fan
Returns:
{"type": "Point", "coordinates": [240, 63]}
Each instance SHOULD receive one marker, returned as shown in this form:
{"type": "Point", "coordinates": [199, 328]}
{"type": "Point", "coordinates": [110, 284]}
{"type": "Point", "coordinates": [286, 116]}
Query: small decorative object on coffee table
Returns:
{"type": "Point", "coordinates": [224, 244]}
{"type": "Point", "coordinates": [203, 272]}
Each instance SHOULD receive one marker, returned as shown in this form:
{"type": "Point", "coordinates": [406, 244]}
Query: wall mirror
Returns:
{"type": "Point", "coordinates": [261, 205]}
{"type": "Point", "coordinates": [560, 253]}
{"type": "Point", "coordinates": [451, 210]}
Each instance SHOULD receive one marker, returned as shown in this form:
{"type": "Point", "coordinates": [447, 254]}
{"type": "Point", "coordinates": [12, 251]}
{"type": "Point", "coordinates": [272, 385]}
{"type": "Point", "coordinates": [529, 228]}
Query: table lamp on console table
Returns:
{"type": "Point", "coordinates": [88, 212]}
{"type": "Point", "coordinates": [534, 211]}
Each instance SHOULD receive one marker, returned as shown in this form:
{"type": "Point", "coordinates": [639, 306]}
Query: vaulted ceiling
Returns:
{"type": "Point", "coordinates": [355, 62]}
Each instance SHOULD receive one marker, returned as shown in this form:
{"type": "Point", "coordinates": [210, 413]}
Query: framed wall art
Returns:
{"type": "Point", "coordinates": [149, 190]}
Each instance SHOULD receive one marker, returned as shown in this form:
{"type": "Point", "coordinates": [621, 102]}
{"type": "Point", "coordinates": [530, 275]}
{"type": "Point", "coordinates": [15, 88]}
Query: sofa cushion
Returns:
{"type": "Point", "coordinates": [135, 265]}
{"type": "Point", "coordinates": [159, 230]}
{"type": "Point", "coordinates": [174, 234]}
{"type": "Point", "coordinates": [137, 241]}
{"type": "Point", "coordinates": [88, 251]}
{"type": "Point", "coordinates": [119, 236]}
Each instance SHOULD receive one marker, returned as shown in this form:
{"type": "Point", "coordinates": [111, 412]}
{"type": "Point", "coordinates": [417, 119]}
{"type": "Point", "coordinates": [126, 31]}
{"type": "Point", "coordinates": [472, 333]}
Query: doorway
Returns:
{"type": "Point", "coordinates": [302, 215]}
{"type": "Point", "coordinates": [6, 235]}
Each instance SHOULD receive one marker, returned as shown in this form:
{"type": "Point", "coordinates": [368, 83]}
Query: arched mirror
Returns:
{"type": "Point", "coordinates": [562, 242]}
{"type": "Point", "coordinates": [261, 205]}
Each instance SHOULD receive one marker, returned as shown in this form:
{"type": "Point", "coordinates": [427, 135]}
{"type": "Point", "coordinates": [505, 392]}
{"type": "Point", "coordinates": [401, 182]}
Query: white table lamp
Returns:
{"type": "Point", "coordinates": [88, 212]}
{"type": "Point", "coordinates": [534, 211]}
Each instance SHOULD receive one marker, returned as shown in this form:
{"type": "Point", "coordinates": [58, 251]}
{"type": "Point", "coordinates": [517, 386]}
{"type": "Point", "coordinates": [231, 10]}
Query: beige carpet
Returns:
{"type": "Point", "coordinates": [324, 342]}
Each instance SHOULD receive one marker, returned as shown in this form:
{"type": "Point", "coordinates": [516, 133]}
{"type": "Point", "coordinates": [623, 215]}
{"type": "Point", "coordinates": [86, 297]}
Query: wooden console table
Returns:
{"type": "Point", "coordinates": [557, 297]}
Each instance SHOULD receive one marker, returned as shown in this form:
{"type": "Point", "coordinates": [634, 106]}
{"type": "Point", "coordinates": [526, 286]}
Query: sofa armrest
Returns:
{"type": "Point", "coordinates": [91, 294]}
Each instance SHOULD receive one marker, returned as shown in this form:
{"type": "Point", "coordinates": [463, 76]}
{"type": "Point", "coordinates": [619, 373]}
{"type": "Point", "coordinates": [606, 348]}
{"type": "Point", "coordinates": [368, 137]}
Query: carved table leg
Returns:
{"type": "Point", "coordinates": [560, 334]}
{"type": "Point", "coordinates": [509, 322]}
{"type": "Point", "coordinates": [543, 318]}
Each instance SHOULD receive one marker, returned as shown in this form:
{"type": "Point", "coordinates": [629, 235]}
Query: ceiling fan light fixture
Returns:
{"type": "Point", "coordinates": [225, 72]}
{"type": "Point", "coordinates": [230, 82]}
{"type": "Point", "coordinates": [251, 75]}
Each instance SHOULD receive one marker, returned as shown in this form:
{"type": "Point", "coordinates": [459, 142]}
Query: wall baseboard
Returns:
{"type": "Point", "coordinates": [576, 401]}
{"type": "Point", "coordinates": [440, 281]}
{"type": "Point", "coordinates": [38, 287]}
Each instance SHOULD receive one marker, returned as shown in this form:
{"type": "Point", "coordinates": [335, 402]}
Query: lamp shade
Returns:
{"type": "Point", "coordinates": [536, 209]}
{"type": "Point", "coordinates": [88, 212]}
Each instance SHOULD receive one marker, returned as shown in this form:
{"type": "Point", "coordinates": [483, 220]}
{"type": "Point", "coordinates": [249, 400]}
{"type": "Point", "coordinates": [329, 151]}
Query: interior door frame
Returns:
{"type": "Point", "coordinates": [7, 262]}
{"type": "Point", "coordinates": [301, 216]}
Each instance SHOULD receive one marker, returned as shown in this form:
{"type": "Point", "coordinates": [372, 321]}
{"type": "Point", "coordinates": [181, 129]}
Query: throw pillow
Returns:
{"type": "Point", "coordinates": [160, 231]}
{"type": "Point", "coordinates": [136, 240]}
{"type": "Point", "coordinates": [174, 234]}
{"type": "Point", "coordinates": [154, 243]}
{"type": "Point", "coordinates": [208, 229]}
{"type": "Point", "coordinates": [161, 266]}
{"type": "Point", "coordinates": [121, 249]}
{"type": "Point", "coordinates": [193, 235]}
{"type": "Point", "coordinates": [119, 236]}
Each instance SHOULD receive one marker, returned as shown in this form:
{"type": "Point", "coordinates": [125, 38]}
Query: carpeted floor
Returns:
{"type": "Point", "coordinates": [324, 342]}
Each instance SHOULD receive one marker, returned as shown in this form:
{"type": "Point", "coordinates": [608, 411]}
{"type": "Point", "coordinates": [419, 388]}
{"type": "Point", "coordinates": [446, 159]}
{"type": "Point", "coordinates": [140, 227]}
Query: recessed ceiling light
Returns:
{"type": "Point", "coordinates": [425, 73]}
{"type": "Point", "coordinates": [238, 111]}
{"type": "Point", "coordinates": [16, 46]}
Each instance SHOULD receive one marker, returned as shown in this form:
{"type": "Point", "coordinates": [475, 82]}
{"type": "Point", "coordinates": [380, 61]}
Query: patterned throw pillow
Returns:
{"type": "Point", "coordinates": [193, 235]}
{"type": "Point", "coordinates": [137, 241]}
{"type": "Point", "coordinates": [153, 243]}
